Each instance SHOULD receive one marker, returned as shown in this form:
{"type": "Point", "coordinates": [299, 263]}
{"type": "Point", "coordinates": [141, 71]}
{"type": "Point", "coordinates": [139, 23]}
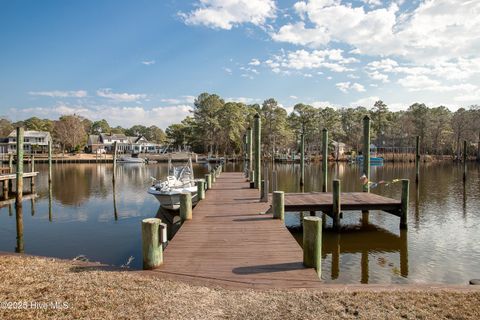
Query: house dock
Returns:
{"type": "Point", "coordinates": [229, 243]}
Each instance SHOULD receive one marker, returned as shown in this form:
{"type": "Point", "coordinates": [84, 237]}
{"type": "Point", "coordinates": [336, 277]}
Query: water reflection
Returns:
{"type": "Point", "coordinates": [443, 243]}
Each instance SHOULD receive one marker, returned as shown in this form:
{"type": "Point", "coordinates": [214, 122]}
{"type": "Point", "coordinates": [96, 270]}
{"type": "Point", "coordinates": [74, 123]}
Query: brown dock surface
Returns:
{"type": "Point", "coordinates": [229, 243]}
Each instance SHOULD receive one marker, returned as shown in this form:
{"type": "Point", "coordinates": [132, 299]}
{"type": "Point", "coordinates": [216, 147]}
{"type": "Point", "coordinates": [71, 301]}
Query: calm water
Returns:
{"type": "Point", "coordinates": [91, 217]}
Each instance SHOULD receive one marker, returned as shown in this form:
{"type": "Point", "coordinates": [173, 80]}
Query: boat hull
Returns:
{"type": "Point", "coordinates": [171, 201]}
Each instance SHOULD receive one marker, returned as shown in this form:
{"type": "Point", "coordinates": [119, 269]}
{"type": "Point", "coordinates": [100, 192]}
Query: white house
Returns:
{"type": "Point", "coordinates": [33, 141]}
{"type": "Point", "coordinates": [104, 143]}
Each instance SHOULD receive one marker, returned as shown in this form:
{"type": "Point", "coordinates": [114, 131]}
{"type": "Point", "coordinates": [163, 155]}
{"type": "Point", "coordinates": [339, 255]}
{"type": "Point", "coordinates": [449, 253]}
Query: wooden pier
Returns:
{"type": "Point", "coordinates": [229, 243]}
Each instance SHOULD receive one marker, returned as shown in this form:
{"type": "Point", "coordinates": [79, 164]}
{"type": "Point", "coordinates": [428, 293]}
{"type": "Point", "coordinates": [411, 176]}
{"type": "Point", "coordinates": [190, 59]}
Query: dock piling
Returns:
{"type": "Point", "coordinates": [201, 189]}
{"type": "Point", "coordinates": [404, 207]}
{"type": "Point", "coordinates": [336, 204]}
{"type": "Point", "coordinates": [258, 152]}
{"type": "Point", "coordinates": [464, 160]}
{"type": "Point", "coordinates": [49, 162]}
{"type": "Point", "coordinates": [19, 191]}
{"type": "Point", "coordinates": [278, 205]}
{"type": "Point", "coordinates": [274, 181]}
{"type": "Point", "coordinates": [366, 151]}
{"type": "Point", "coordinates": [213, 175]}
{"type": "Point", "coordinates": [32, 179]}
{"type": "Point", "coordinates": [312, 243]}
{"type": "Point", "coordinates": [151, 244]}
{"type": "Point", "coordinates": [115, 149]}
{"type": "Point", "coordinates": [250, 150]}
{"type": "Point", "coordinates": [186, 206]}
{"type": "Point", "coordinates": [302, 157]}
{"type": "Point", "coordinates": [208, 179]}
{"type": "Point", "coordinates": [324, 159]}
{"type": "Point", "coordinates": [417, 158]}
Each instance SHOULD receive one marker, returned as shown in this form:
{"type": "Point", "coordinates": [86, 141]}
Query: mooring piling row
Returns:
{"type": "Point", "coordinates": [302, 157]}
{"type": "Point", "coordinates": [417, 158]}
{"type": "Point", "coordinates": [257, 141]}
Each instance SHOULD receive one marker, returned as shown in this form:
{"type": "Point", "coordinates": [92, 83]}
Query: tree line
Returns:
{"type": "Point", "coordinates": [70, 132]}
{"type": "Point", "coordinates": [217, 126]}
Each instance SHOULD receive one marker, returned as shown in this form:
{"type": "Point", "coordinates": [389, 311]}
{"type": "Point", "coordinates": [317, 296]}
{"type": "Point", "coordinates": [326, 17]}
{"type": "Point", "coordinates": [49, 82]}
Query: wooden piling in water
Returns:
{"type": "Point", "coordinates": [464, 160]}
{"type": "Point", "coordinates": [19, 191]}
{"type": "Point", "coordinates": [208, 179]}
{"type": "Point", "coordinates": [213, 175]}
{"type": "Point", "coordinates": [274, 181]}
{"type": "Point", "coordinates": [49, 161]}
{"type": "Point", "coordinates": [302, 157]}
{"type": "Point", "coordinates": [32, 179]}
{"type": "Point", "coordinates": [336, 210]}
{"type": "Point", "coordinates": [324, 159]}
{"type": "Point", "coordinates": [186, 206]}
{"type": "Point", "coordinates": [201, 189]}
{"type": "Point", "coordinates": [115, 150]}
{"type": "Point", "coordinates": [258, 151]}
{"type": "Point", "coordinates": [404, 207]}
{"type": "Point", "coordinates": [417, 158]}
{"type": "Point", "coordinates": [312, 243]}
{"type": "Point", "coordinates": [366, 151]}
{"type": "Point", "coordinates": [278, 205]}
{"type": "Point", "coordinates": [152, 250]}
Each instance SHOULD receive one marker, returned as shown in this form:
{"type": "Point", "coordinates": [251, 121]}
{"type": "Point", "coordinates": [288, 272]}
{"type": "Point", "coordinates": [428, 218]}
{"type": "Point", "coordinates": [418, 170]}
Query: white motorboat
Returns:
{"type": "Point", "coordinates": [180, 179]}
{"type": "Point", "coordinates": [130, 159]}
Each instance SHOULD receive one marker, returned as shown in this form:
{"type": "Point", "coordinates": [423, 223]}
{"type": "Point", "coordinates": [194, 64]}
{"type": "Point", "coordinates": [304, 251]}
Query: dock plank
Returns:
{"type": "Point", "coordinates": [229, 243]}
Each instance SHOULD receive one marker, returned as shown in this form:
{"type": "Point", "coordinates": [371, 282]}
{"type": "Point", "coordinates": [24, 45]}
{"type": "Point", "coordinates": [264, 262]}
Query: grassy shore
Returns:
{"type": "Point", "coordinates": [97, 293]}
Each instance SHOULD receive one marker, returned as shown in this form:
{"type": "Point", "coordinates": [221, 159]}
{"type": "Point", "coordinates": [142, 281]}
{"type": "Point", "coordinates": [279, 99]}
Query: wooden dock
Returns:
{"type": "Point", "coordinates": [322, 201]}
{"type": "Point", "coordinates": [13, 176]}
{"type": "Point", "coordinates": [229, 243]}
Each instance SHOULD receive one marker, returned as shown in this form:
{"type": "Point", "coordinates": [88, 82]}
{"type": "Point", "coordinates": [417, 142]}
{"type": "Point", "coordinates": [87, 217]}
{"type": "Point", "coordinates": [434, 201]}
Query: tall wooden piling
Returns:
{"type": "Point", "coordinates": [417, 158]}
{"type": "Point", "coordinates": [302, 157]}
{"type": "Point", "coordinates": [186, 206]}
{"type": "Point", "coordinates": [258, 152]}
{"type": "Point", "coordinates": [250, 149]}
{"type": "Point", "coordinates": [115, 150]}
{"type": "Point", "coordinates": [274, 181]}
{"type": "Point", "coordinates": [336, 210]}
{"type": "Point", "coordinates": [49, 161]}
{"type": "Point", "coordinates": [324, 159]}
{"type": "Point", "coordinates": [152, 250]}
{"type": "Point", "coordinates": [19, 226]}
{"type": "Point", "coordinates": [312, 243]}
{"type": "Point", "coordinates": [19, 192]}
{"type": "Point", "coordinates": [366, 151]}
{"type": "Point", "coordinates": [278, 205]}
{"type": "Point", "coordinates": [213, 175]}
{"type": "Point", "coordinates": [404, 205]}
{"type": "Point", "coordinates": [464, 160]}
{"type": "Point", "coordinates": [478, 148]}
{"type": "Point", "coordinates": [32, 179]}
{"type": "Point", "coordinates": [201, 189]}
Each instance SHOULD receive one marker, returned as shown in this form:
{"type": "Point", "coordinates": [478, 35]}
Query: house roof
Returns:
{"type": "Point", "coordinates": [31, 134]}
{"type": "Point", "coordinates": [93, 139]}
{"type": "Point", "coordinates": [115, 136]}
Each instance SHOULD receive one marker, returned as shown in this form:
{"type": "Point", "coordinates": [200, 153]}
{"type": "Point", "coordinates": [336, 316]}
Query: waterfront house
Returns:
{"type": "Point", "coordinates": [33, 142]}
{"type": "Point", "coordinates": [125, 144]}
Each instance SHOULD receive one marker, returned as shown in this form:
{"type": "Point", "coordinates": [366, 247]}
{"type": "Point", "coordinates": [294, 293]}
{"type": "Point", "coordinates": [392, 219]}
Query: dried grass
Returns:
{"type": "Point", "coordinates": [97, 293]}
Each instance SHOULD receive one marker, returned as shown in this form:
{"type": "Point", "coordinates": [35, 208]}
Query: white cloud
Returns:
{"type": "Point", "coordinates": [60, 94]}
{"type": "Point", "coordinates": [245, 100]}
{"type": "Point", "coordinates": [227, 70]}
{"type": "Point", "coordinates": [366, 102]}
{"type": "Point", "coordinates": [375, 75]}
{"type": "Point", "coordinates": [254, 62]}
{"type": "Point", "coordinates": [293, 97]}
{"type": "Point", "coordinates": [223, 14]}
{"type": "Point", "coordinates": [148, 62]}
{"type": "Point", "coordinates": [331, 59]}
{"type": "Point", "coordinates": [120, 97]}
{"type": "Point", "coordinates": [347, 86]}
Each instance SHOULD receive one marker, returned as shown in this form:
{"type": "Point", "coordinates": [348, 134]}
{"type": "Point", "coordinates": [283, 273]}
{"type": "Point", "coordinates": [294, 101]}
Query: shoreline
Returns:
{"type": "Point", "coordinates": [91, 290]}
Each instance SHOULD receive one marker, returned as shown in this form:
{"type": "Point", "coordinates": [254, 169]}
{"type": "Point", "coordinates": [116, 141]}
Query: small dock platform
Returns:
{"type": "Point", "coordinates": [229, 243]}
{"type": "Point", "coordinates": [13, 176]}
{"type": "Point", "coordinates": [322, 201]}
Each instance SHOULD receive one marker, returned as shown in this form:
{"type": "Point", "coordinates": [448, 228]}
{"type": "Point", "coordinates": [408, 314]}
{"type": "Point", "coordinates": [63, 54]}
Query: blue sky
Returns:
{"type": "Point", "coordinates": [144, 61]}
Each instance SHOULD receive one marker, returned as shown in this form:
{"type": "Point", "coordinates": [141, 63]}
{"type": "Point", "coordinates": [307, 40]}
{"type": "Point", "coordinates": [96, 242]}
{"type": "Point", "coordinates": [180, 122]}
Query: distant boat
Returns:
{"type": "Point", "coordinates": [180, 179]}
{"type": "Point", "coordinates": [128, 159]}
{"type": "Point", "coordinates": [374, 161]}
